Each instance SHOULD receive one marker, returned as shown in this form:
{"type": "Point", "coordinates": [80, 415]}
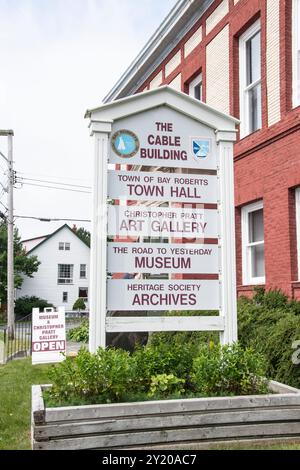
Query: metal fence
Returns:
{"type": "Point", "coordinates": [20, 346]}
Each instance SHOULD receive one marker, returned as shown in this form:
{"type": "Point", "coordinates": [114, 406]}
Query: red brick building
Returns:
{"type": "Point", "coordinates": [243, 58]}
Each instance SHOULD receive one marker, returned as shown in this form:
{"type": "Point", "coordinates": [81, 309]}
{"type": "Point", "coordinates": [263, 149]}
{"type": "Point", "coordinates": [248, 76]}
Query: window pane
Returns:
{"type": "Point", "coordinates": [256, 226]}
{"type": "Point", "coordinates": [298, 74]}
{"type": "Point", "coordinates": [254, 108]}
{"type": "Point", "coordinates": [83, 292]}
{"type": "Point", "coordinates": [253, 59]}
{"type": "Point", "coordinates": [83, 270]}
{"type": "Point", "coordinates": [61, 246]}
{"type": "Point", "coordinates": [67, 246]}
{"type": "Point", "coordinates": [258, 260]}
{"type": "Point", "coordinates": [198, 91]}
{"type": "Point", "coordinates": [65, 296]}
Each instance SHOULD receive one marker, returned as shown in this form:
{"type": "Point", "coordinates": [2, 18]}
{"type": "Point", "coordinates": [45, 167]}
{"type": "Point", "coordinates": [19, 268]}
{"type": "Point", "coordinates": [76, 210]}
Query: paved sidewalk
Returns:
{"type": "Point", "coordinates": [73, 347]}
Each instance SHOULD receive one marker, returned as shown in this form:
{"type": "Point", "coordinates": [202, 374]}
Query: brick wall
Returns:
{"type": "Point", "coordinates": [267, 163]}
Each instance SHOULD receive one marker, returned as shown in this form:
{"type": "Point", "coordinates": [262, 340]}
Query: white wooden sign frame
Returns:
{"type": "Point", "coordinates": [101, 123]}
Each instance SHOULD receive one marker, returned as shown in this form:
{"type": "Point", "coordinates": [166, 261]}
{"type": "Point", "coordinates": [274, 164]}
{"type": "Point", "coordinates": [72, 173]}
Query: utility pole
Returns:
{"type": "Point", "coordinates": [10, 236]}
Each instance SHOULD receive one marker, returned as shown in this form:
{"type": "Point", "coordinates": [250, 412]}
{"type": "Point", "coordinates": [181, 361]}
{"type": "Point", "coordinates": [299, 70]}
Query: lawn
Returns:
{"type": "Point", "coordinates": [16, 379]}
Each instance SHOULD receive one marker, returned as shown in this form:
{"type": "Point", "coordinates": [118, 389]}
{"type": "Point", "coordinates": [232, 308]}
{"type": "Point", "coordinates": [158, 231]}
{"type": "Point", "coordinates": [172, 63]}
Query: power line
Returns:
{"type": "Point", "coordinates": [54, 187]}
{"type": "Point", "coordinates": [49, 176]}
{"type": "Point", "coordinates": [46, 219]}
{"type": "Point", "coordinates": [53, 182]}
{"type": "Point", "coordinates": [3, 205]}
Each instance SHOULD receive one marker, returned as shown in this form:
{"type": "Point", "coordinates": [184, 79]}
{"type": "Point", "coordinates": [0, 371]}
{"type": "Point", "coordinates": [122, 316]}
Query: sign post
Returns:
{"type": "Point", "coordinates": [166, 162]}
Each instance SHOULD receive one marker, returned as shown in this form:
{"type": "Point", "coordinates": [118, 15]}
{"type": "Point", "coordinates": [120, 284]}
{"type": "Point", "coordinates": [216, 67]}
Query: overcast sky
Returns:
{"type": "Point", "coordinates": [58, 58]}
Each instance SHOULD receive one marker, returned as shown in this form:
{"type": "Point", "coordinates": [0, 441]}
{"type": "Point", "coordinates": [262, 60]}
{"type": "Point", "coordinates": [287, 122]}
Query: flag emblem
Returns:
{"type": "Point", "coordinates": [125, 143]}
{"type": "Point", "coordinates": [201, 148]}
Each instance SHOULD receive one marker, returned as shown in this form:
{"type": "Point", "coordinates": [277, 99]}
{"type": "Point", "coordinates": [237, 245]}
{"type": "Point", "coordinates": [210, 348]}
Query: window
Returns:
{"type": "Point", "coordinates": [65, 297]}
{"type": "Point", "coordinates": [83, 293]}
{"type": "Point", "coordinates": [253, 252]}
{"type": "Point", "coordinates": [65, 274]}
{"type": "Point", "coordinates": [195, 87]}
{"type": "Point", "coordinates": [83, 271]}
{"type": "Point", "coordinates": [64, 246]}
{"type": "Point", "coordinates": [297, 193]}
{"type": "Point", "coordinates": [296, 53]}
{"type": "Point", "coordinates": [250, 80]}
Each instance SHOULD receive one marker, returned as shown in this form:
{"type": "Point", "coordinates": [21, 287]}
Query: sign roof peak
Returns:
{"type": "Point", "coordinates": [164, 95]}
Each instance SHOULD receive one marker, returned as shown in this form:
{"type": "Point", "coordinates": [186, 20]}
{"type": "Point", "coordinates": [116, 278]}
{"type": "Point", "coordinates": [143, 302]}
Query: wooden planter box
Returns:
{"type": "Point", "coordinates": [167, 422]}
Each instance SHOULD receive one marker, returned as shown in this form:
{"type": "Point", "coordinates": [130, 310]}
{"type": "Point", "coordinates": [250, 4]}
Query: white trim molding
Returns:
{"type": "Point", "coordinates": [244, 89]}
{"type": "Point", "coordinates": [195, 83]}
{"type": "Point", "coordinates": [297, 197]}
{"type": "Point", "coordinates": [296, 52]}
{"type": "Point", "coordinates": [247, 246]}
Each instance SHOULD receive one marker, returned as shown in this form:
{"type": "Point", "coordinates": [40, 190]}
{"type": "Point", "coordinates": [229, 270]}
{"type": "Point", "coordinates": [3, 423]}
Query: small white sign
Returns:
{"type": "Point", "coordinates": [48, 335]}
{"type": "Point", "coordinates": [158, 186]}
{"type": "Point", "coordinates": [159, 295]}
{"type": "Point", "coordinates": [135, 221]}
{"type": "Point", "coordinates": [159, 258]}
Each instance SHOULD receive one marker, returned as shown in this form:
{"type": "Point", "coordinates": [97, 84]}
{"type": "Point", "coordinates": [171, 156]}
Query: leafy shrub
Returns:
{"type": "Point", "coordinates": [270, 324]}
{"type": "Point", "coordinates": [229, 370]}
{"type": "Point", "coordinates": [80, 333]}
{"type": "Point", "coordinates": [79, 304]}
{"type": "Point", "coordinates": [104, 377]}
{"type": "Point", "coordinates": [24, 305]}
{"type": "Point", "coordinates": [113, 375]}
{"type": "Point", "coordinates": [165, 385]}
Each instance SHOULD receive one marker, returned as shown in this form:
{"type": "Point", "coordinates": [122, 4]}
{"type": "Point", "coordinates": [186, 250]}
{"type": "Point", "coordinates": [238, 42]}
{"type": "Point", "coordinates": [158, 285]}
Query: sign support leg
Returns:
{"type": "Point", "coordinates": [100, 131]}
{"type": "Point", "coordinates": [228, 302]}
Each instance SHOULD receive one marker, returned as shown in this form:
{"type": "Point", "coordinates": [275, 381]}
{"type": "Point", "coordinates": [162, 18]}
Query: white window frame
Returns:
{"type": "Point", "coordinates": [61, 246]}
{"type": "Point", "coordinates": [85, 271]}
{"type": "Point", "coordinates": [246, 246]}
{"type": "Point", "coordinates": [84, 298]}
{"type": "Point", "coordinates": [65, 301]}
{"type": "Point", "coordinates": [296, 49]}
{"type": "Point", "coordinates": [244, 89]}
{"type": "Point", "coordinates": [192, 85]}
{"type": "Point", "coordinates": [65, 280]}
{"type": "Point", "coordinates": [297, 197]}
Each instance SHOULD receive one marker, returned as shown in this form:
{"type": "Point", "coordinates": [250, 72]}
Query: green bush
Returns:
{"type": "Point", "coordinates": [229, 370]}
{"type": "Point", "coordinates": [79, 304]}
{"type": "Point", "coordinates": [113, 375]}
{"type": "Point", "coordinates": [80, 333]}
{"type": "Point", "coordinates": [165, 385]}
{"type": "Point", "coordinates": [269, 323]}
{"type": "Point", "coordinates": [104, 377]}
{"type": "Point", "coordinates": [24, 305]}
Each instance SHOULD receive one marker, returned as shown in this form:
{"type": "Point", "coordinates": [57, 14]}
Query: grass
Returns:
{"type": "Point", "coordinates": [16, 379]}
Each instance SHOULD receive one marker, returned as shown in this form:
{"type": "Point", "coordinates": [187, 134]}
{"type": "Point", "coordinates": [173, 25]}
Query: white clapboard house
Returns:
{"type": "Point", "coordinates": [62, 276]}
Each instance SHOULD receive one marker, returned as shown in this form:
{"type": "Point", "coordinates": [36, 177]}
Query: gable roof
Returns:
{"type": "Point", "coordinates": [52, 235]}
{"type": "Point", "coordinates": [163, 96]}
{"type": "Point", "coordinates": [172, 30]}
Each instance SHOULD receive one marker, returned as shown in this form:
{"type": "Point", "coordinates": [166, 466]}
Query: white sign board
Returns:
{"type": "Point", "coordinates": [163, 137]}
{"type": "Point", "coordinates": [135, 221]}
{"type": "Point", "coordinates": [166, 160]}
{"type": "Point", "coordinates": [133, 294]}
{"type": "Point", "coordinates": [48, 335]}
{"type": "Point", "coordinates": [159, 258]}
{"type": "Point", "coordinates": [158, 186]}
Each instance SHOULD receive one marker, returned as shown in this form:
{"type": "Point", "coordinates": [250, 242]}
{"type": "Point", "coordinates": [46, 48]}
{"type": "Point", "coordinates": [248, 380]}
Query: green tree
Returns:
{"type": "Point", "coordinates": [23, 264]}
{"type": "Point", "coordinates": [83, 234]}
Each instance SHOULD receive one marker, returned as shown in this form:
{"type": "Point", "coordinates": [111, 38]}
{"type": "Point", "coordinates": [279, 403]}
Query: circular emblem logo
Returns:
{"type": "Point", "coordinates": [125, 143]}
